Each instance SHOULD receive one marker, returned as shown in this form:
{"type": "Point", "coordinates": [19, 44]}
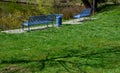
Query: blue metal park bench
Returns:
{"type": "Point", "coordinates": [83, 13]}
{"type": "Point", "coordinates": [35, 20]}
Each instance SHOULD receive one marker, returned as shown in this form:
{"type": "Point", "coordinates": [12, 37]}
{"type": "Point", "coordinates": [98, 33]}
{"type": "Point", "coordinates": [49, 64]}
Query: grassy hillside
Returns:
{"type": "Point", "coordinates": [91, 47]}
{"type": "Point", "coordinates": [12, 14]}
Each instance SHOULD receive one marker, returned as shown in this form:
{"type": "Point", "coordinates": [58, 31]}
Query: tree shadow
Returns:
{"type": "Point", "coordinates": [106, 7]}
{"type": "Point", "coordinates": [96, 59]}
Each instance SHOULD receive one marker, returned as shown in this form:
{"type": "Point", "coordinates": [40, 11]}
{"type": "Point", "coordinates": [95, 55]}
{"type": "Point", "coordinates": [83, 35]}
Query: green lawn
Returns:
{"type": "Point", "coordinates": [91, 47]}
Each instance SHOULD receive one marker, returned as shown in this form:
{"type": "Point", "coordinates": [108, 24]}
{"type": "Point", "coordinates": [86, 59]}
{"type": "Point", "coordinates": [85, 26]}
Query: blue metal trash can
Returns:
{"type": "Point", "coordinates": [58, 20]}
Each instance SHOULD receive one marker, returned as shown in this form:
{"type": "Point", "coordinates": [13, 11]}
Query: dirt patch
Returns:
{"type": "Point", "coordinates": [12, 69]}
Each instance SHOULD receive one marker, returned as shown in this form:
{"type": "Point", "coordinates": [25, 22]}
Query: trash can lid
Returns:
{"type": "Point", "coordinates": [59, 17]}
{"type": "Point", "coordinates": [58, 14]}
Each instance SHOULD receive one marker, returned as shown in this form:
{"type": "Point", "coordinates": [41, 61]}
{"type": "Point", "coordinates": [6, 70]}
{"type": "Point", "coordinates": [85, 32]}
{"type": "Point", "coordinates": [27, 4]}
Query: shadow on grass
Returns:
{"type": "Point", "coordinates": [107, 7]}
{"type": "Point", "coordinates": [98, 59]}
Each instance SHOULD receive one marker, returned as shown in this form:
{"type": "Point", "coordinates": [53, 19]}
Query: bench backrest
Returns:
{"type": "Point", "coordinates": [50, 17]}
{"type": "Point", "coordinates": [41, 18]}
{"type": "Point", "coordinates": [36, 18]}
{"type": "Point", "coordinates": [86, 12]}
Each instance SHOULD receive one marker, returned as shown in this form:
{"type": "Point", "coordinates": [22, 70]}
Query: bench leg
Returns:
{"type": "Point", "coordinates": [28, 27]}
{"type": "Point", "coordinates": [23, 27]}
{"type": "Point", "coordinates": [47, 25]}
{"type": "Point", "coordinates": [52, 24]}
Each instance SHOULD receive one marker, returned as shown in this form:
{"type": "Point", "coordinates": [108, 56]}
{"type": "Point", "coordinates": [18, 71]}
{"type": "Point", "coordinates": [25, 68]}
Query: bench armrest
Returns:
{"type": "Point", "coordinates": [24, 20]}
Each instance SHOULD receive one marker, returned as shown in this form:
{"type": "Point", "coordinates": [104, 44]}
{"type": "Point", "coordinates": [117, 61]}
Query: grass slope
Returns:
{"type": "Point", "coordinates": [91, 47]}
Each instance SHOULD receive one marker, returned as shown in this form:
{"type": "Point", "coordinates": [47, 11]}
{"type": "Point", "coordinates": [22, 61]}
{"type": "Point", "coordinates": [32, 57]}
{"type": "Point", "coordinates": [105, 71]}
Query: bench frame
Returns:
{"type": "Point", "coordinates": [36, 20]}
{"type": "Point", "coordinates": [83, 13]}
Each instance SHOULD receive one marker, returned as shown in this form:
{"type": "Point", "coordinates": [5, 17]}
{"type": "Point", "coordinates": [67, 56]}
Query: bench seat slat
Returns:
{"type": "Point", "coordinates": [38, 22]}
{"type": "Point", "coordinates": [81, 15]}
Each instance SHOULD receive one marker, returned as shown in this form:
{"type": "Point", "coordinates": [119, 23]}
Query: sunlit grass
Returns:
{"type": "Point", "coordinates": [91, 47]}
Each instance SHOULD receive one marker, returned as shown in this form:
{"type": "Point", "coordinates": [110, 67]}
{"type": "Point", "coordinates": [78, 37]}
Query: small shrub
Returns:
{"type": "Point", "coordinates": [11, 21]}
{"type": "Point", "coordinates": [69, 12]}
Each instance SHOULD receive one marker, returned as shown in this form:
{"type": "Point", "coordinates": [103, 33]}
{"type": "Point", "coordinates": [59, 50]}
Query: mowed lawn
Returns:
{"type": "Point", "coordinates": [91, 47]}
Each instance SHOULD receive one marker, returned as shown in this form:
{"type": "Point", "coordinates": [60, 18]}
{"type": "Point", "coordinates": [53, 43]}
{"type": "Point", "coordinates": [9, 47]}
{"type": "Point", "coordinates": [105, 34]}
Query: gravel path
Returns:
{"type": "Point", "coordinates": [26, 29]}
{"type": "Point", "coordinates": [73, 21]}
